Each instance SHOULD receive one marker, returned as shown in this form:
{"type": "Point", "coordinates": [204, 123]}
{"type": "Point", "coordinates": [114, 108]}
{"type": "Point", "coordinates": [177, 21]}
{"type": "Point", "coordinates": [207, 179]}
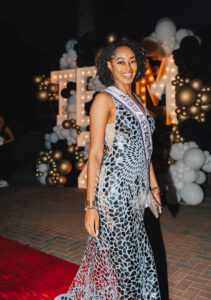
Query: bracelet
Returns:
{"type": "Point", "coordinates": [155, 188]}
{"type": "Point", "coordinates": [90, 203]}
{"type": "Point", "coordinates": [90, 207]}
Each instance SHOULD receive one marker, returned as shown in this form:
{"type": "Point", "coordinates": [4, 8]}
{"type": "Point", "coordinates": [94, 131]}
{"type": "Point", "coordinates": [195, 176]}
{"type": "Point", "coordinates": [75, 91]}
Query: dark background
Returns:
{"type": "Point", "coordinates": [33, 35]}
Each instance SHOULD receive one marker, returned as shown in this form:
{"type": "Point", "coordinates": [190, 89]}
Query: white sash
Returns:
{"type": "Point", "coordinates": [140, 116]}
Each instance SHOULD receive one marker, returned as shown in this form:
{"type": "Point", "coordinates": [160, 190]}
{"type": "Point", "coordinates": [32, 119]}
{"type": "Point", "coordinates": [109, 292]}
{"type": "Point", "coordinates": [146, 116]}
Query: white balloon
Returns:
{"type": "Point", "coordinates": [177, 151]}
{"type": "Point", "coordinates": [179, 185]}
{"type": "Point", "coordinates": [189, 175]}
{"type": "Point", "coordinates": [47, 145]}
{"type": "Point", "coordinates": [43, 167]}
{"type": "Point", "coordinates": [198, 38]}
{"type": "Point", "coordinates": [192, 145]}
{"type": "Point", "coordinates": [165, 29]}
{"type": "Point", "coordinates": [54, 137]}
{"type": "Point", "coordinates": [70, 44]}
{"type": "Point", "coordinates": [178, 194]}
{"type": "Point", "coordinates": [192, 193]}
{"type": "Point", "coordinates": [194, 158]}
{"type": "Point", "coordinates": [181, 34]}
{"type": "Point", "coordinates": [42, 178]}
{"type": "Point", "coordinates": [207, 165]}
{"type": "Point", "coordinates": [201, 178]}
{"type": "Point", "coordinates": [167, 49]}
{"type": "Point", "coordinates": [65, 132]}
{"type": "Point", "coordinates": [190, 32]}
{"type": "Point", "coordinates": [47, 136]}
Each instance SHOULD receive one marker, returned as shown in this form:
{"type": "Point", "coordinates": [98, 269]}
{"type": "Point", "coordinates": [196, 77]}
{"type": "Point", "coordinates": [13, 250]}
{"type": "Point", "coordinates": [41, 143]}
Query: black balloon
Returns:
{"type": "Point", "coordinates": [65, 93]}
{"type": "Point", "coordinates": [71, 86]}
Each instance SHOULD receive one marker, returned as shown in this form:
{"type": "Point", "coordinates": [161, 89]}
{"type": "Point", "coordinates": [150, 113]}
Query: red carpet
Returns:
{"type": "Point", "coordinates": [29, 274]}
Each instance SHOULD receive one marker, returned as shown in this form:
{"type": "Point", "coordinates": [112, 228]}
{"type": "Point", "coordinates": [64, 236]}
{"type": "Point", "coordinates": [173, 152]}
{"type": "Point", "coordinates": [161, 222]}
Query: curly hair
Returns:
{"type": "Point", "coordinates": [107, 53]}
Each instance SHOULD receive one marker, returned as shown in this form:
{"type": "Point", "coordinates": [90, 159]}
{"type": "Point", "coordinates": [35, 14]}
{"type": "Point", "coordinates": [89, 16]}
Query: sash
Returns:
{"type": "Point", "coordinates": [137, 112]}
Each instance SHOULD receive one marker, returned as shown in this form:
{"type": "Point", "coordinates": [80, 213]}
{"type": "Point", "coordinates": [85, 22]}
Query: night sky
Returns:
{"type": "Point", "coordinates": [33, 35]}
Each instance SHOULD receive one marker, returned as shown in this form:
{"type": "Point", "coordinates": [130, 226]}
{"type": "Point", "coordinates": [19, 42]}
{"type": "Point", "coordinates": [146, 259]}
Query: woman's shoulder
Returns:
{"type": "Point", "coordinates": [103, 98]}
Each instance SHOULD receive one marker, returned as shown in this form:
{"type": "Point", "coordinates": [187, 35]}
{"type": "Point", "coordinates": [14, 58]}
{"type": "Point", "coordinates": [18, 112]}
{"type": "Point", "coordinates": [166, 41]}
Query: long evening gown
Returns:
{"type": "Point", "coordinates": [119, 265]}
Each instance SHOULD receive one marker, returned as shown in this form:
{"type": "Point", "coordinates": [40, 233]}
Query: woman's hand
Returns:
{"type": "Point", "coordinates": [92, 223]}
{"type": "Point", "coordinates": [157, 197]}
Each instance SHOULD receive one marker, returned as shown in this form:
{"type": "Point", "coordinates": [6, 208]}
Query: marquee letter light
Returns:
{"type": "Point", "coordinates": [144, 84]}
{"type": "Point", "coordinates": [166, 75]}
{"type": "Point", "coordinates": [83, 95]}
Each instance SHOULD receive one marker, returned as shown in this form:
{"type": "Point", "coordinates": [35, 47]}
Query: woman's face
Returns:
{"type": "Point", "coordinates": [123, 66]}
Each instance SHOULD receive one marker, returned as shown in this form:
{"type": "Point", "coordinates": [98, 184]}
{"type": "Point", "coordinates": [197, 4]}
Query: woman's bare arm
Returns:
{"type": "Point", "coordinates": [99, 114]}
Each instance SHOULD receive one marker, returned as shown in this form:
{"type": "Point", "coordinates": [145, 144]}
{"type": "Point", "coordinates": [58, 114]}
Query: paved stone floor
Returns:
{"type": "Point", "coordinates": [51, 219]}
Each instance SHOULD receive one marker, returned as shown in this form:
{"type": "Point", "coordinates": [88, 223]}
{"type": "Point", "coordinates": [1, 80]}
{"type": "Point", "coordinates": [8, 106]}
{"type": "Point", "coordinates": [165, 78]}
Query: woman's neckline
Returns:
{"type": "Point", "coordinates": [142, 108]}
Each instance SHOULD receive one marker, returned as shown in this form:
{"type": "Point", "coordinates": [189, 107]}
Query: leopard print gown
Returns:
{"type": "Point", "coordinates": [120, 264]}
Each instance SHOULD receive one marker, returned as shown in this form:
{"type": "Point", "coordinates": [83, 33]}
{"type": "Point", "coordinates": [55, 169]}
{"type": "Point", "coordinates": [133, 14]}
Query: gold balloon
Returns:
{"type": "Point", "coordinates": [81, 154]}
{"type": "Point", "coordinates": [186, 96]}
{"type": "Point", "coordinates": [80, 165]}
{"type": "Point", "coordinates": [194, 110]}
{"type": "Point", "coordinates": [174, 128]}
{"type": "Point", "coordinates": [62, 180]}
{"type": "Point", "coordinates": [44, 158]}
{"type": "Point", "coordinates": [182, 118]}
{"type": "Point", "coordinates": [178, 110]}
{"type": "Point", "coordinates": [184, 113]}
{"type": "Point", "coordinates": [64, 167]}
{"type": "Point", "coordinates": [205, 98]}
{"type": "Point", "coordinates": [111, 37]}
{"type": "Point", "coordinates": [172, 137]}
{"type": "Point", "coordinates": [51, 172]}
{"type": "Point", "coordinates": [71, 149]}
{"type": "Point", "coordinates": [49, 180]}
{"type": "Point", "coordinates": [198, 101]}
{"type": "Point", "coordinates": [196, 84]}
{"type": "Point", "coordinates": [202, 119]}
{"type": "Point", "coordinates": [66, 124]}
{"type": "Point", "coordinates": [42, 95]}
{"type": "Point", "coordinates": [206, 108]}
{"type": "Point", "coordinates": [57, 154]}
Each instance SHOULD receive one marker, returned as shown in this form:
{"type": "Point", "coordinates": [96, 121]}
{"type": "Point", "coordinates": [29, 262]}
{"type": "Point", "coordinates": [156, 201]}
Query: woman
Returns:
{"type": "Point", "coordinates": [118, 262]}
{"type": "Point", "coordinates": [6, 138]}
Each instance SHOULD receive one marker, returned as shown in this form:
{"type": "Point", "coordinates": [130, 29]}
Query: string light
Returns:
{"type": "Point", "coordinates": [166, 75]}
